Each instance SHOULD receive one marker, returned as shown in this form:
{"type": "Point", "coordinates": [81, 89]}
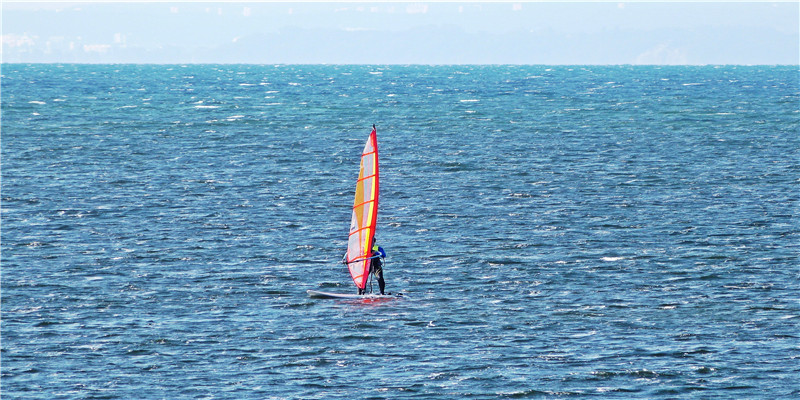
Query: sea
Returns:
{"type": "Point", "coordinates": [557, 232]}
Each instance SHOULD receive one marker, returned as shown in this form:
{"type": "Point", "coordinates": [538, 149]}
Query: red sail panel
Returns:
{"type": "Point", "coordinates": [365, 214]}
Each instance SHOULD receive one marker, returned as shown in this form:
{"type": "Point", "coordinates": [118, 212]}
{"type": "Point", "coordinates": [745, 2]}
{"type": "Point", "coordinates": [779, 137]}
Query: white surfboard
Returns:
{"type": "Point", "coordinates": [328, 295]}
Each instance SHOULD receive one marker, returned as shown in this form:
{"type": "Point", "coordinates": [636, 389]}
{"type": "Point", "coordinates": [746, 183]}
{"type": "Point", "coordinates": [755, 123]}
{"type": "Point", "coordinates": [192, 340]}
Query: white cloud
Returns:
{"type": "Point", "coordinates": [417, 8]}
{"type": "Point", "coordinates": [18, 40]}
{"type": "Point", "coordinates": [96, 48]}
{"type": "Point", "coordinates": [662, 54]}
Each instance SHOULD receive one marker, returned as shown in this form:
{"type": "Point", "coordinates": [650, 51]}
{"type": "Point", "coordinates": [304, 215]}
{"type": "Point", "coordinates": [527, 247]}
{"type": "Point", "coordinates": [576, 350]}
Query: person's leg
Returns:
{"type": "Point", "coordinates": [381, 282]}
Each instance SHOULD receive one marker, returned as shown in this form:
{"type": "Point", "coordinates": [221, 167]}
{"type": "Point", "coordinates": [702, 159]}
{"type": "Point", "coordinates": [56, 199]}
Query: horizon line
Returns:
{"type": "Point", "coordinates": [406, 64]}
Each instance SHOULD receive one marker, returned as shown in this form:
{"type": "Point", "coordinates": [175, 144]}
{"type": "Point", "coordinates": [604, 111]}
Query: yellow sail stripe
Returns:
{"type": "Point", "coordinates": [361, 204]}
{"type": "Point", "coordinates": [366, 177]}
{"type": "Point", "coordinates": [368, 238]}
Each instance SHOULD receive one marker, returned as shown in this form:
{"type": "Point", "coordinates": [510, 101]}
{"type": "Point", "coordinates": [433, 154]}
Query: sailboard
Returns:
{"type": "Point", "coordinates": [318, 294]}
{"type": "Point", "coordinates": [363, 221]}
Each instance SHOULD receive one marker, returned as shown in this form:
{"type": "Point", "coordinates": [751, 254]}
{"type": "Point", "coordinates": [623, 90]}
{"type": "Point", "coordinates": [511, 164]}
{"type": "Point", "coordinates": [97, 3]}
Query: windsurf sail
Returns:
{"type": "Point", "coordinates": [365, 213]}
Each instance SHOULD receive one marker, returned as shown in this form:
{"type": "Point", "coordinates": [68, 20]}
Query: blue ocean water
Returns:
{"type": "Point", "coordinates": [559, 232]}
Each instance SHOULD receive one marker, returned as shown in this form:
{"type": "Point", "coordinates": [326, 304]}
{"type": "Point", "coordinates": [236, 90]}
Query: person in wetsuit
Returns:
{"type": "Point", "coordinates": [376, 267]}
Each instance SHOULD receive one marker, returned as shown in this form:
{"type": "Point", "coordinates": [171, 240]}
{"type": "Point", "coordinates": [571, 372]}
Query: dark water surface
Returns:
{"type": "Point", "coordinates": [561, 232]}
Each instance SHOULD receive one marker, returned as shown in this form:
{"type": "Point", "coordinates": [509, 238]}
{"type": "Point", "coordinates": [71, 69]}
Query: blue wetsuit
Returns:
{"type": "Point", "coordinates": [376, 268]}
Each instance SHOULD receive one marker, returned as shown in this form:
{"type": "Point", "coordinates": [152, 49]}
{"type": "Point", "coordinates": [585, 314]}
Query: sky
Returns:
{"type": "Point", "coordinates": [554, 33]}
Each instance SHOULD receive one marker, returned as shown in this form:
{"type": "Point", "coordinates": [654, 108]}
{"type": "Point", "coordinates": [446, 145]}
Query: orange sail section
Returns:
{"type": "Point", "coordinates": [365, 214]}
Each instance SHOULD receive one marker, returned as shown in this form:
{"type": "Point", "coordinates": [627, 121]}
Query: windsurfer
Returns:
{"type": "Point", "coordinates": [376, 267]}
